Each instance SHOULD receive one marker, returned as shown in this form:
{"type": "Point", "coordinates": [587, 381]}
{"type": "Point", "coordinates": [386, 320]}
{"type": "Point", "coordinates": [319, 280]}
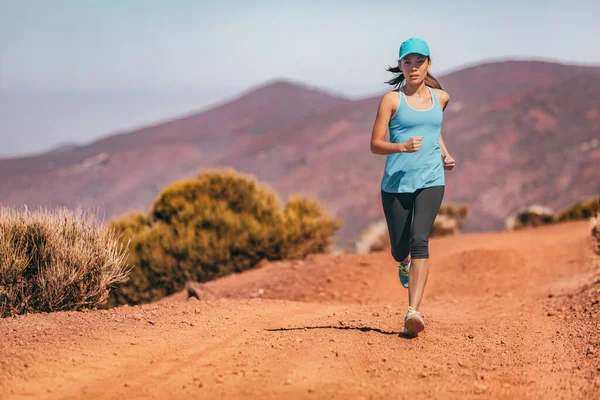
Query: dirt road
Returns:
{"type": "Point", "coordinates": [505, 318]}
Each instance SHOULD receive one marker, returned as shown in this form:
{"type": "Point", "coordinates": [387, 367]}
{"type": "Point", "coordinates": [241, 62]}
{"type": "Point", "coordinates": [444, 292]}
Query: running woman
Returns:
{"type": "Point", "coordinates": [412, 186]}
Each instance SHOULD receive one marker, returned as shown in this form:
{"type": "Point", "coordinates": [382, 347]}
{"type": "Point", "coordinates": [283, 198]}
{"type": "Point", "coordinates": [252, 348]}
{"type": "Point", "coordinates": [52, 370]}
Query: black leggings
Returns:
{"type": "Point", "coordinates": [408, 234]}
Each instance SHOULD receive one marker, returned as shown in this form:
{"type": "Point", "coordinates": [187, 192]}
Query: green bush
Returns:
{"type": "Point", "coordinates": [306, 229]}
{"type": "Point", "coordinates": [212, 225]}
{"type": "Point", "coordinates": [56, 260]}
{"type": "Point", "coordinates": [581, 210]}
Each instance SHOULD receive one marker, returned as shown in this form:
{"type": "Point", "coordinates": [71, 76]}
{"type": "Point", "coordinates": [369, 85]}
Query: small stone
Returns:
{"type": "Point", "coordinates": [480, 387]}
{"type": "Point", "coordinates": [220, 379]}
{"type": "Point", "coordinates": [151, 322]}
{"type": "Point", "coordinates": [502, 342]}
{"type": "Point", "coordinates": [138, 316]}
{"type": "Point", "coordinates": [197, 311]}
{"type": "Point", "coordinates": [126, 384]}
{"type": "Point", "coordinates": [550, 314]}
{"type": "Point", "coordinates": [506, 385]}
{"type": "Point", "coordinates": [375, 314]}
{"type": "Point", "coordinates": [471, 336]}
{"type": "Point", "coordinates": [288, 382]}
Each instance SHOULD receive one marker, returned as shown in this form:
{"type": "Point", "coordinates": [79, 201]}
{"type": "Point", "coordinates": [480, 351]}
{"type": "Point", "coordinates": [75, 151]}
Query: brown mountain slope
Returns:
{"type": "Point", "coordinates": [299, 140]}
{"type": "Point", "coordinates": [480, 83]}
{"type": "Point", "coordinates": [540, 147]}
{"type": "Point", "coordinates": [126, 171]}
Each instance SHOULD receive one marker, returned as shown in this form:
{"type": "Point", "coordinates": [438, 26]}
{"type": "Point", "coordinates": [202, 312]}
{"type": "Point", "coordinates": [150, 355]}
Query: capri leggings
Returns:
{"type": "Point", "coordinates": [410, 218]}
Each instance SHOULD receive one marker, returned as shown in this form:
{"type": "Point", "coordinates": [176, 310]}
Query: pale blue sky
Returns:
{"type": "Point", "coordinates": [188, 54]}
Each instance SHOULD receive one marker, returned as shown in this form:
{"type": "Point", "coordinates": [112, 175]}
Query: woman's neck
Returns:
{"type": "Point", "coordinates": [420, 90]}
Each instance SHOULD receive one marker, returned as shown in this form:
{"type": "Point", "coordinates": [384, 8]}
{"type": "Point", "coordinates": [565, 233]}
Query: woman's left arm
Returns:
{"type": "Point", "coordinates": [449, 162]}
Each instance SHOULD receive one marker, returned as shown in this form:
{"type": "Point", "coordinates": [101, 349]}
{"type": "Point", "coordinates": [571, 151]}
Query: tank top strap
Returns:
{"type": "Point", "coordinates": [434, 98]}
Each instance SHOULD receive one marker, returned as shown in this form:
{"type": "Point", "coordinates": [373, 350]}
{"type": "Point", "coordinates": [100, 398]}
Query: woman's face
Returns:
{"type": "Point", "coordinates": [414, 67]}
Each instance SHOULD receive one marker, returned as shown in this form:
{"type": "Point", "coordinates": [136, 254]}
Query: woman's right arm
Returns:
{"type": "Point", "coordinates": [378, 143]}
{"type": "Point", "coordinates": [384, 113]}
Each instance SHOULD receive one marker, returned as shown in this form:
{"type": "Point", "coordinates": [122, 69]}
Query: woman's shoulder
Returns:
{"type": "Point", "coordinates": [443, 96]}
{"type": "Point", "coordinates": [392, 94]}
{"type": "Point", "coordinates": [390, 98]}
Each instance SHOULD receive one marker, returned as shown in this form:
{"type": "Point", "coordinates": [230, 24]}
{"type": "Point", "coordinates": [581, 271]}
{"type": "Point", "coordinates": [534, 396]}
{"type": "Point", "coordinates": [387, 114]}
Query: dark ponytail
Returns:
{"type": "Point", "coordinates": [397, 80]}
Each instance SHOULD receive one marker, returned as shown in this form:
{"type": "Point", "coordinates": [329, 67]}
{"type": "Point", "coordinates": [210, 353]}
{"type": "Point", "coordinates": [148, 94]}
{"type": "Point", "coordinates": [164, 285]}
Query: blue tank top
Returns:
{"type": "Point", "coordinates": [408, 172]}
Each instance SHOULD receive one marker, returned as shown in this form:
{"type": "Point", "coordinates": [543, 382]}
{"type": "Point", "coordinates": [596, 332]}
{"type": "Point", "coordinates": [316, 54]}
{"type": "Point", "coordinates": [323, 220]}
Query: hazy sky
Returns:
{"type": "Point", "coordinates": [182, 55]}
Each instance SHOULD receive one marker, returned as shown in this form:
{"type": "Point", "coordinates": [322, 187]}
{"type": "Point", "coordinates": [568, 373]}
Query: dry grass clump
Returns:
{"type": "Point", "coordinates": [56, 260]}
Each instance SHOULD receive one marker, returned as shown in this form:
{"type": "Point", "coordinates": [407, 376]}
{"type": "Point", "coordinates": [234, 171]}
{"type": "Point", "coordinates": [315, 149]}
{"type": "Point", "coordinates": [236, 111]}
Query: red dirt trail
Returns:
{"type": "Point", "coordinates": [508, 315]}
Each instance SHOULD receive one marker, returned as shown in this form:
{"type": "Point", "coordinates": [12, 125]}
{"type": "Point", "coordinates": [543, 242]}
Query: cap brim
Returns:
{"type": "Point", "coordinates": [412, 52]}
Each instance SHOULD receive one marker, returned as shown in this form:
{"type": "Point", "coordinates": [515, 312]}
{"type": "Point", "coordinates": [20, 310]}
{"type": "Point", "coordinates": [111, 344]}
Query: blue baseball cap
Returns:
{"type": "Point", "coordinates": [413, 46]}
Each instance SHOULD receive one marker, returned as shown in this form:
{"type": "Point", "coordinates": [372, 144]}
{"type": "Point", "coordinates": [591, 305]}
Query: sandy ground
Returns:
{"type": "Point", "coordinates": [508, 315]}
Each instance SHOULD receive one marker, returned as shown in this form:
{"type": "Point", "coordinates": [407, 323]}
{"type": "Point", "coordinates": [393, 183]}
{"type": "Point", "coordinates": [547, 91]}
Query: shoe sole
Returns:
{"type": "Point", "coordinates": [414, 325]}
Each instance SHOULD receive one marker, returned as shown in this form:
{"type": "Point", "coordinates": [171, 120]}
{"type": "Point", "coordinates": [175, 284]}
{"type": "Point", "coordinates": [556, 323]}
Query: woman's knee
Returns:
{"type": "Point", "coordinates": [400, 252]}
{"type": "Point", "coordinates": [419, 247]}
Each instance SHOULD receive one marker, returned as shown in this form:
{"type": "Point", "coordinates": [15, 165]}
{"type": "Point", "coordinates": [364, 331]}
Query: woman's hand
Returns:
{"type": "Point", "coordinates": [449, 162]}
{"type": "Point", "coordinates": [412, 145]}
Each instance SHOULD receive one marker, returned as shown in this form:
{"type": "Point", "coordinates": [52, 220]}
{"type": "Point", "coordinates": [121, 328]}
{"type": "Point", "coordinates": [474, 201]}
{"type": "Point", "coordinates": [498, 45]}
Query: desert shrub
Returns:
{"type": "Point", "coordinates": [581, 210]}
{"type": "Point", "coordinates": [56, 260]}
{"type": "Point", "coordinates": [212, 225]}
{"type": "Point", "coordinates": [374, 238]}
{"type": "Point", "coordinates": [306, 228]}
{"type": "Point", "coordinates": [531, 216]}
{"type": "Point", "coordinates": [449, 221]}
